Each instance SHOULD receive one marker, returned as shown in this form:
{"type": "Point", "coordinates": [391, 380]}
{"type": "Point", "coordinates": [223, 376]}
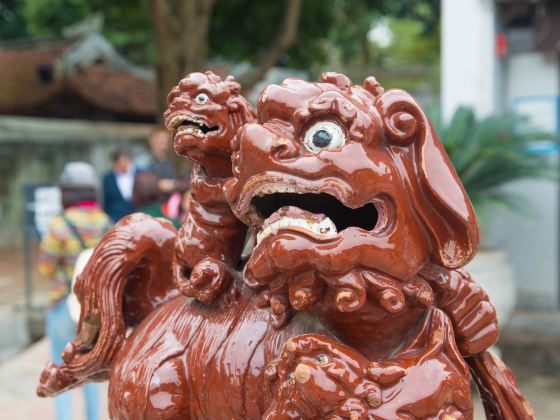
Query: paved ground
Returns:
{"type": "Point", "coordinates": [19, 370]}
{"type": "Point", "coordinates": [18, 380]}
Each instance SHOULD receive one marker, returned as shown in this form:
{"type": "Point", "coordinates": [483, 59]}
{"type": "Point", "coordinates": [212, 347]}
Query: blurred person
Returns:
{"type": "Point", "coordinates": [81, 226]}
{"type": "Point", "coordinates": [157, 161]}
{"type": "Point", "coordinates": [118, 185]}
{"type": "Point", "coordinates": [147, 198]}
{"type": "Point", "coordinates": [185, 206]}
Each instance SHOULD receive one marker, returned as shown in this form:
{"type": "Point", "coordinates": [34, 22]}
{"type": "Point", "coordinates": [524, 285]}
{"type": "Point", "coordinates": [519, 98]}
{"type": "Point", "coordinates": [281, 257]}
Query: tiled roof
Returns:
{"type": "Point", "coordinates": [115, 91]}
{"type": "Point", "coordinates": [21, 86]}
{"type": "Point", "coordinates": [29, 79]}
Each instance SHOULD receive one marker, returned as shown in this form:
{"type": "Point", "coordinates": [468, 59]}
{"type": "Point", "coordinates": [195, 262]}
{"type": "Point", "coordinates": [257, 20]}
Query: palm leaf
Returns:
{"type": "Point", "coordinates": [491, 152]}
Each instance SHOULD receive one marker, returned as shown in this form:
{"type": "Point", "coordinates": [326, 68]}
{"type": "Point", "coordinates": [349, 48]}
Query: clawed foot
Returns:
{"type": "Point", "coordinates": [54, 381]}
{"type": "Point", "coordinates": [207, 281]}
{"type": "Point", "coordinates": [474, 319]}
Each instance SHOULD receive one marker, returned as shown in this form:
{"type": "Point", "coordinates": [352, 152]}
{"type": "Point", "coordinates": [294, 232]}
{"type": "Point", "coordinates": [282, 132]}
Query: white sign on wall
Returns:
{"type": "Point", "coordinates": [42, 204]}
{"type": "Point", "coordinates": [541, 111]}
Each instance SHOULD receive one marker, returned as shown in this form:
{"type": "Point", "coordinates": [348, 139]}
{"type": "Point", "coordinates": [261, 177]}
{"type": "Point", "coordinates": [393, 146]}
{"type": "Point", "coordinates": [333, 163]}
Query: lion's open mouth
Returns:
{"type": "Point", "coordinates": [320, 215]}
{"type": "Point", "coordinates": [183, 123]}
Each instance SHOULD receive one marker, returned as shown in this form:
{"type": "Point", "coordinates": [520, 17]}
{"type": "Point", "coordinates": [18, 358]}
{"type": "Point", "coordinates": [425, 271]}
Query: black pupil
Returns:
{"type": "Point", "coordinates": [322, 138]}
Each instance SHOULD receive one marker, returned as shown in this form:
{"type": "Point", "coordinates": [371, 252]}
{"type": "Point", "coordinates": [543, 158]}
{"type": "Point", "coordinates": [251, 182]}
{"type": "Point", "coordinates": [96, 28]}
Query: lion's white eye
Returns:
{"type": "Point", "coordinates": [322, 359]}
{"type": "Point", "coordinates": [201, 98]}
{"type": "Point", "coordinates": [324, 135]}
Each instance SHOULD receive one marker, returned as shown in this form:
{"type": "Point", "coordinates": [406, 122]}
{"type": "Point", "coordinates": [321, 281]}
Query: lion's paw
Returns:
{"type": "Point", "coordinates": [318, 376]}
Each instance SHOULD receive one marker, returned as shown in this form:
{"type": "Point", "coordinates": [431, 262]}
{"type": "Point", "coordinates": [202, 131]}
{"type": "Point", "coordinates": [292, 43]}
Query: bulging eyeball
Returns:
{"type": "Point", "coordinates": [202, 98]}
{"type": "Point", "coordinates": [322, 360]}
{"type": "Point", "coordinates": [324, 135]}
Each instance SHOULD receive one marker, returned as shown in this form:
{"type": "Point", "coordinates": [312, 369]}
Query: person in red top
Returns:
{"type": "Point", "coordinates": [81, 225]}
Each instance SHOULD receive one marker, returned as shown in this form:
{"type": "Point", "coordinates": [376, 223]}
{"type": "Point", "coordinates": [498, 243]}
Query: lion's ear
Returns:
{"type": "Point", "coordinates": [435, 189]}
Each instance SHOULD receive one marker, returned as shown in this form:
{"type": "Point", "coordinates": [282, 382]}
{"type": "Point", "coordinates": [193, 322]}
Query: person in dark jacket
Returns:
{"type": "Point", "coordinates": [118, 185]}
{"type": "Point", "coordinates": [158, 162]}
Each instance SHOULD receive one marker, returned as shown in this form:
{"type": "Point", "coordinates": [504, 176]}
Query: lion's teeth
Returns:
{"type": "Point", "coordinates": [191, 130]}
{"type": "Point", "coordinates": [324, 229]}
{"type": "Point", "coordinates": [177, 120]}
{"type": "Point", "coordinates": [277, 188]}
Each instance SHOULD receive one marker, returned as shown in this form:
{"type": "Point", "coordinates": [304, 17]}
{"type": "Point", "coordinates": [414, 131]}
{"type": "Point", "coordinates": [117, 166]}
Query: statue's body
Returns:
{"type": "Point", "coordinates": [352, 303]}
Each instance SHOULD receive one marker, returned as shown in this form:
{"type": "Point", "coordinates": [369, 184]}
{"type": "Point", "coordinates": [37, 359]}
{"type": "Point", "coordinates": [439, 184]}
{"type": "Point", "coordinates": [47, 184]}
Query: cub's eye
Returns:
{"type": "Point", "coordinates": [201, 98]}
{"type": "Point", "coordinates": [324, 135]}
{"type": "Point", "coordinates": [322, 360]}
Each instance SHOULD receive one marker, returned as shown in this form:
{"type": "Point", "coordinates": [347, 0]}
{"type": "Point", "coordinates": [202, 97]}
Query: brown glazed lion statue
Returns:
{"type": "Point", "coordinates": [352, 304]}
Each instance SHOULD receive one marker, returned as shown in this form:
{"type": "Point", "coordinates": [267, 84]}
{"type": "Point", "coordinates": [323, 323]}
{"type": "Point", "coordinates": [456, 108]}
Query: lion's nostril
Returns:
{"type": "Point", "coordinates": [173, 94]}
{"type": "Point", "coordinates": [182, 101]}
{"type": "Point", "coordinates": [302, 373]}
{"type": "Point", "coordinates": [284, 148]}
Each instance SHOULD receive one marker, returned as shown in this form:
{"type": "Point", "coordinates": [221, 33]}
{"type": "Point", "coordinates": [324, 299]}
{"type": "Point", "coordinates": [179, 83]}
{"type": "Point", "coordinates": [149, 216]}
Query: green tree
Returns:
{"type": "Point", "coordinates": [45, 19]}
{"type": "Point", "coordinates": [12, 21]}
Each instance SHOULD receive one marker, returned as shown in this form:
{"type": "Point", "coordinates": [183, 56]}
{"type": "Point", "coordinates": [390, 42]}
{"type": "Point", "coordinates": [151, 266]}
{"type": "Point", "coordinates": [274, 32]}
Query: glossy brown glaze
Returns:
{"type": "Point", "coordinates": [498, 389]}
{"type": "Point", "coordinates": [391, 161]}
{"type": "Point", "coordinates": [352, 304]}
{"type": "Point", "coordinates": [402, 222]}
{"type": "Point", "coordinates": [425, 378]}
{"type": "Point", "coordinates": [468, 306]}
{"type": "Point", "coordinates": [225, 361]}
{"type": "Point", "coordinates": [191, 360]}
{"type": "Point", "coordinates": [204, 113]}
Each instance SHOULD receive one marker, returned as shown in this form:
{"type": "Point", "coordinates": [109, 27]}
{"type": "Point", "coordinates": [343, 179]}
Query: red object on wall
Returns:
{"type": "Point", "coordinates": [501, 45]}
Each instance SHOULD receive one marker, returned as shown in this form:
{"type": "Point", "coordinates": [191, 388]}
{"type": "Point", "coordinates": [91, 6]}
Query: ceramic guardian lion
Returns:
{"type": "Point", "coordinates": [352, 303]}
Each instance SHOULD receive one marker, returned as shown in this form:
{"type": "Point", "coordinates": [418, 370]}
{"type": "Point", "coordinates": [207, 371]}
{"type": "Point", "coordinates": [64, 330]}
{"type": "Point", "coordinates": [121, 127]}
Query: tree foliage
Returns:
{"type": "Point", "coordinates": [12, 21]}
{"type": "Point", "coordinates": [241, 30]}
{"type": "Point", "coordinates": [490, 152]}
{"type": "Point", "coordinates": [175, 36]}
{"type": "Point", "coordinates": [45, 19]}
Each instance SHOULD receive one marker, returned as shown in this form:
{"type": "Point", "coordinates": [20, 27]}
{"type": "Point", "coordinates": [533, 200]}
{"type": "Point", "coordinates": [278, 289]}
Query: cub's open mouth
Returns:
{"type": "Point", "coordinates": [320, 215]}
{"type": "Point", "coordinates": [182, 123]}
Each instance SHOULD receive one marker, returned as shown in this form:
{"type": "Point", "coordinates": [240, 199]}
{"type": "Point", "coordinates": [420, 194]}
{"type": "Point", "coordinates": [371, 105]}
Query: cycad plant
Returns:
{"type": "Point", "coordinates": [491, 152]}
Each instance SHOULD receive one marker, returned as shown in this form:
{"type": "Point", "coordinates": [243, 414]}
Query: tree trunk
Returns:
{"type": "Point", "coordinates": [286, 37]}
{"type": "Point", "coordinates": [181, 29]}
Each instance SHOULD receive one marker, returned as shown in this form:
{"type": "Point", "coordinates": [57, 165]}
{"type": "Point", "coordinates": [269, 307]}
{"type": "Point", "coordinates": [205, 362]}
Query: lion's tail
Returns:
{"type": "Point", "coordinates": [128, 275]}
{"type": "Point", "coordinates": [498, 388]}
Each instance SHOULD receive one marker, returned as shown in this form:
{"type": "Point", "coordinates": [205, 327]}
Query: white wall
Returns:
{"type": "Point", "coordinates": [532, 82]}
{"type": "Point", "coordinates": [532, 243]}
{"type": "Point", "coordinates": [532, 73]}
{"type": "Point", "coordinates": [468, 58]}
